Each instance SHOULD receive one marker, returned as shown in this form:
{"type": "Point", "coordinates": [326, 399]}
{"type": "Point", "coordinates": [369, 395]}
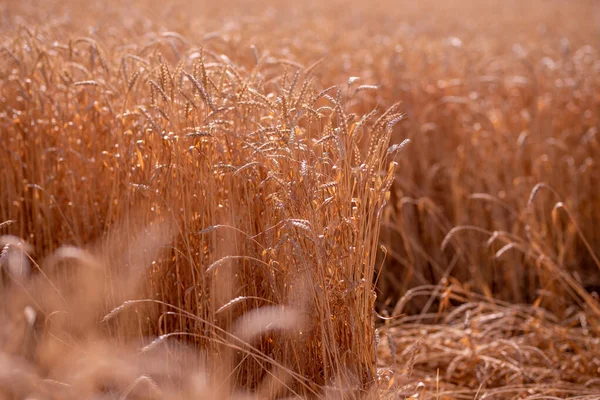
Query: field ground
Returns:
{"type": "Point", "coordinates": [269, 199]}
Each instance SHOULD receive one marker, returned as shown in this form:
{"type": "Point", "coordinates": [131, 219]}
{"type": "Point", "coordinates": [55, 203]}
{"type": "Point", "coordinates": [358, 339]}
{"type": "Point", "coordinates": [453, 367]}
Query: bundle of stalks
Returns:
{"type": "Point", "coordinates": [273, 186]}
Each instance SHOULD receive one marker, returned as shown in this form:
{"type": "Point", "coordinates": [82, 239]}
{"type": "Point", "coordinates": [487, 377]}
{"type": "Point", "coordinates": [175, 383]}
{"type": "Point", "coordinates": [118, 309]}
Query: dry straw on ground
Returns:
{"type": "Point", "coordinates": [204, 200]}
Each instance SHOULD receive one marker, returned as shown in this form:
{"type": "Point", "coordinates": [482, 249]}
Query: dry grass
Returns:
{"type": "Point", "coordinates": [193, 200]}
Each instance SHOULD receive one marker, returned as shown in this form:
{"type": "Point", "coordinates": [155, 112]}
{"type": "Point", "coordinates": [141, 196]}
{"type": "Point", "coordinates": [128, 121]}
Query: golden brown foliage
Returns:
{"type": "Point", "coordinates": [227, 169]}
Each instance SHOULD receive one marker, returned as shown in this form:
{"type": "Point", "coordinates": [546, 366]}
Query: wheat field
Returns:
{"type": "Point", "coordinates": [268, 200]}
